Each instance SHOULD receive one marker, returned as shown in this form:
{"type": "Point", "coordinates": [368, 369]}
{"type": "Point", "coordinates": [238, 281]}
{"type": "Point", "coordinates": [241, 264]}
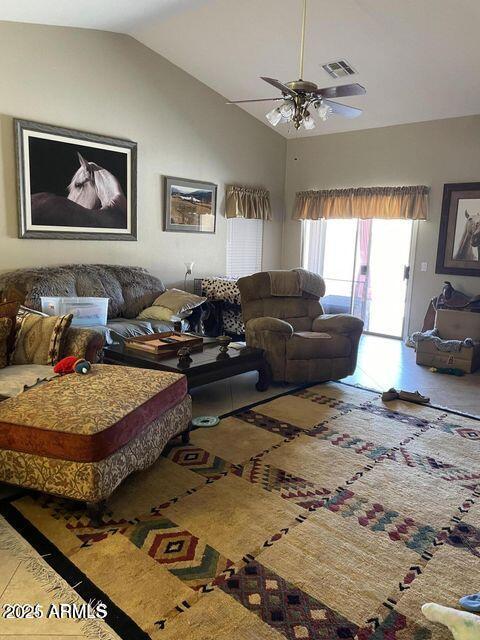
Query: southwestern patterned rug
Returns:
{"type": "Point", "coordinates": [322, 514]}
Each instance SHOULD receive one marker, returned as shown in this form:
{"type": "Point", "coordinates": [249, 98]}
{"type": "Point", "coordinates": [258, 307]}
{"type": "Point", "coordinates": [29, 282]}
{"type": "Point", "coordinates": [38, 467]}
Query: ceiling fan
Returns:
{"type": "Point", "coordinates": [300, 96]}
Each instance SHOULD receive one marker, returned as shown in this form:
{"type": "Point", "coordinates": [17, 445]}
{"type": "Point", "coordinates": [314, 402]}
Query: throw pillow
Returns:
{"type": "Point", "coordinates": [5, 330]}
{"type": "Point", "coordinates": [9, 310]}
{"type": "Point", "coordinates": [179, 302]}
{"type": "Point", "coordinates": [160, 313]}
{"type": "Point", "coordinates": [39, 340]}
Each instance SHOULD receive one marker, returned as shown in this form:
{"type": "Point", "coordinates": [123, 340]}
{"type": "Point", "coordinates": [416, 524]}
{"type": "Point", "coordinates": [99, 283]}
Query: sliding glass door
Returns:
{"type": "Point", "coordinates": [365, 264]}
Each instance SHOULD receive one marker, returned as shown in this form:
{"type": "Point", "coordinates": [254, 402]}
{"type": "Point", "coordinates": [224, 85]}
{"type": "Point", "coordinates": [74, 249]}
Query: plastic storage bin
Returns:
{"type": "Point", "coordinates": [86, 311]}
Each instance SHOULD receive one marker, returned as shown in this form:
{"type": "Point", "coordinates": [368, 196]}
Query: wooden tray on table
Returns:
{"type": "Point", "coordinates": [166, 344]}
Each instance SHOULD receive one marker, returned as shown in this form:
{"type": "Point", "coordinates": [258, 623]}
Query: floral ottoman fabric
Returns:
{"type": "Point", "coordinates": [95, 481]}
{"type": "Point", "coordinates": [81, 435]}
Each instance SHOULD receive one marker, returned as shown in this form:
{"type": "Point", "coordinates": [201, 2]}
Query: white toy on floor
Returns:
{"type": "Point", "coordinates": [463, 624]}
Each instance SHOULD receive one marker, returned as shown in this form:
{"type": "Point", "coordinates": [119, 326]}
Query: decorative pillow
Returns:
{"type": "Point", "coordinates": [5, 330]}
{"type": "Point", "coordinates": [179, 302]}
{"type": "Point", "coordinates": [39, 340]}
{"type": "Point", "coordinates": [161, 313]}
{"type": "Point", "coordinates": [9, 310]}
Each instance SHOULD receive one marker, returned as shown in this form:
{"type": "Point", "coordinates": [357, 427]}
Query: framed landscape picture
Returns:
{"type": "Point", "coordinates": [190, 205]}
{"type": "Point", "coordinates": [459, 238]}
{"type": "Point", "coordinates": [75, 185]}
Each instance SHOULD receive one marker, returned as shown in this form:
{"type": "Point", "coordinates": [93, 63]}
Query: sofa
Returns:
{"type": "Point", "coordinates": [130, 290]}
{"type": "Point", "coordinates": [283, 315]}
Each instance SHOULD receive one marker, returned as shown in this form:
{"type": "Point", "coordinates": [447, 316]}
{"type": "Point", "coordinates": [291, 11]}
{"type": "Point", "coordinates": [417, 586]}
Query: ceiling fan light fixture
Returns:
{"type": "Point", "coordinates": [298, 97]}
{"type": "Point", "coordinates": [309, 122]}
{"type": "Point", "coordinates": [323, 111]}
{"type": "Point", "coordinates": [274, 116]}
{"type": "Point", "coordinates": [287, 109]}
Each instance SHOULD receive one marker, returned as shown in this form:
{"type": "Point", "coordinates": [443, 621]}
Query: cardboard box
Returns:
{"type": "Point", "coordinates": [458, 325]}
{"type": "Point", "coordinates": [467, 359]}
{"type": "Point", "coordinates": [453, 325]}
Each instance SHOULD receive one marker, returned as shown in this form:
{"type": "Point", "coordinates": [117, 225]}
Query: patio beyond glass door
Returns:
{"type": "Point", "coordinates": [365, 264]}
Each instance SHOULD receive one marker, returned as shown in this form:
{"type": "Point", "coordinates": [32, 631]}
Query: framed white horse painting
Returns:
{"type": "Point", "coordinates": [75, 185]}
{"type": "Point", "coordinates": [459, 238]}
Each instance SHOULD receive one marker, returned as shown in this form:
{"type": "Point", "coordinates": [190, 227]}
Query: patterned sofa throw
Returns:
{"type": "Point", "coordinates": [224, 312]}
{"type": "Point", "coordinates": [39, 340]}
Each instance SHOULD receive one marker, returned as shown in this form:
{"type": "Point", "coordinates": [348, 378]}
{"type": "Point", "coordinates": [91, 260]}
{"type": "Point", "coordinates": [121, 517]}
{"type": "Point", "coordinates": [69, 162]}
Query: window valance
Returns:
{"type": "Point", "coordinates": [247, 202]}
{"type": "Point", "coordinates": [408, 203]}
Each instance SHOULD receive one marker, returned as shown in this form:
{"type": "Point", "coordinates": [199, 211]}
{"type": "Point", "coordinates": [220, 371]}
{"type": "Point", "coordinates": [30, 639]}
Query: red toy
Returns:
{"type": "Point", "coordinates": [71, 364]}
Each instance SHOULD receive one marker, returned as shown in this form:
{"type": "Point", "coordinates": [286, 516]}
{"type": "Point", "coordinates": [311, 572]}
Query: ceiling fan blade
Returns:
{"type": "Point", "coordinates": [257, 100]}
{"type": "Point", "coordinates": [279, 85]}
{"type": "Point", "coordinates": [343, 109]}
{"type": "Point", "coordinates": [342, 91]}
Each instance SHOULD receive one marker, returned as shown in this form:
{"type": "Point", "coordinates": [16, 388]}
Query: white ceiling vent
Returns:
{"type": "Point", "coordinates": [339, 69]}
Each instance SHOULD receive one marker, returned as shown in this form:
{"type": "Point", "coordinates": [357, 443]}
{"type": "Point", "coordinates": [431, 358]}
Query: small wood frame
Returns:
{"type": "Point", "coordinates": [189, 205]}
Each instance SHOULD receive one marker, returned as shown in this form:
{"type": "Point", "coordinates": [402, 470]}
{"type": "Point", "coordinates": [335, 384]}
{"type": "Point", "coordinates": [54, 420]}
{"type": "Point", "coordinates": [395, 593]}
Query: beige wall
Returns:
{"type": "Point", "coordinates": [430, 153]}
{"type": "Point", "coordinates": [110, 84]}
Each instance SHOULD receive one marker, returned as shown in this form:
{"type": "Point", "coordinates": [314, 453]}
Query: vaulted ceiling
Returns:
{"type": "Point", "coordinates": [418, 59]}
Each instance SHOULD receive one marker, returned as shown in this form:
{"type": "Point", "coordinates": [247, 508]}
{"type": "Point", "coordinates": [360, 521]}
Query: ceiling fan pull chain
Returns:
{"type": "Point", "coordinates": [302, 45]}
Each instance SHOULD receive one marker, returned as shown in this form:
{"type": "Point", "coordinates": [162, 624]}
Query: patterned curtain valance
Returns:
{"type": "Point", "coordinates": [247, 202]}
{"type": "Point", "coordinates": [408, 203]}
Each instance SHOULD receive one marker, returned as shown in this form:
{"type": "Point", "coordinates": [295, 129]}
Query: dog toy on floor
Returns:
{"type": "Point", "coordinates": [471, 603]}
{"type": "Point", "coordinates": [451, 371]}
{"type": "Point", "coordinates": [205, 421]}
{"type": "Point", "coordinates": [463, 624]}
{"type": "Point", "coordinates": [71, 364]}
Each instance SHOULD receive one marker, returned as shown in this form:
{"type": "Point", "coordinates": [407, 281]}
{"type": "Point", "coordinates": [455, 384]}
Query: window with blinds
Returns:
{"type": "Point", "coordinates": [244, 246]}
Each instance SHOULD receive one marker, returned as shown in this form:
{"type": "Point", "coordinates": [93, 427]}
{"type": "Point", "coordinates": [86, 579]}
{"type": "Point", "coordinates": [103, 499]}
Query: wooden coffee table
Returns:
{"type": "Point", "coordinates": [205, 367]}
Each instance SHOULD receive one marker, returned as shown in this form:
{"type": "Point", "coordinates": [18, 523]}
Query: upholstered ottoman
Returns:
{"type": "Point", "coordinates": [79, 436]}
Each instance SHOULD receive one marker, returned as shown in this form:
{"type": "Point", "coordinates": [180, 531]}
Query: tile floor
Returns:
{"type": "Point", "coordinates": [385, 363]}
{"type": "Point", "coordinates": [382, 363]}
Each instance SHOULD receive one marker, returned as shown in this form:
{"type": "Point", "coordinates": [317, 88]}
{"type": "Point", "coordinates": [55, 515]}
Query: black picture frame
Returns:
{"type": "Point", "coordinates": [74, 185]}
{"type": "Point", "coordinates": [197, 198]}
{"type": "Point", "coordinates": [457, 251]}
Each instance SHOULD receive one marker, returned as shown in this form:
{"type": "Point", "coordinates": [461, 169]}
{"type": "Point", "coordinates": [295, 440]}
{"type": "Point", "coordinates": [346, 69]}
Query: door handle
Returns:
{"type": "Point", "coordinates": [406, 272]}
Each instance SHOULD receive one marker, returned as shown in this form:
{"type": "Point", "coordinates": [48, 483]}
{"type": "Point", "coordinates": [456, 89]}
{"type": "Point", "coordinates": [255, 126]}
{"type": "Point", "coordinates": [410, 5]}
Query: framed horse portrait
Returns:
{"type": "Point", "coordinates": [75, 185]}
{"type": "Point", "coordinates": [459, 238]}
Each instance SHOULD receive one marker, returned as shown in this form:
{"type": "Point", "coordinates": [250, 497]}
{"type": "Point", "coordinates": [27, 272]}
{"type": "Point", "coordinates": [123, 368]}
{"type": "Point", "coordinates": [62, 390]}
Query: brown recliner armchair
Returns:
{"type": "Point", "coordinates": [283, 316]}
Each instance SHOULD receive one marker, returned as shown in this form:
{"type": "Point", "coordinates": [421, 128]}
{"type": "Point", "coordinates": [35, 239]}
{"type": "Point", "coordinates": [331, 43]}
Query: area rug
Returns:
{"type": "Point", "coordinates": [27, 579]}
{"type": "Point", "coordinates": [322, 514]}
